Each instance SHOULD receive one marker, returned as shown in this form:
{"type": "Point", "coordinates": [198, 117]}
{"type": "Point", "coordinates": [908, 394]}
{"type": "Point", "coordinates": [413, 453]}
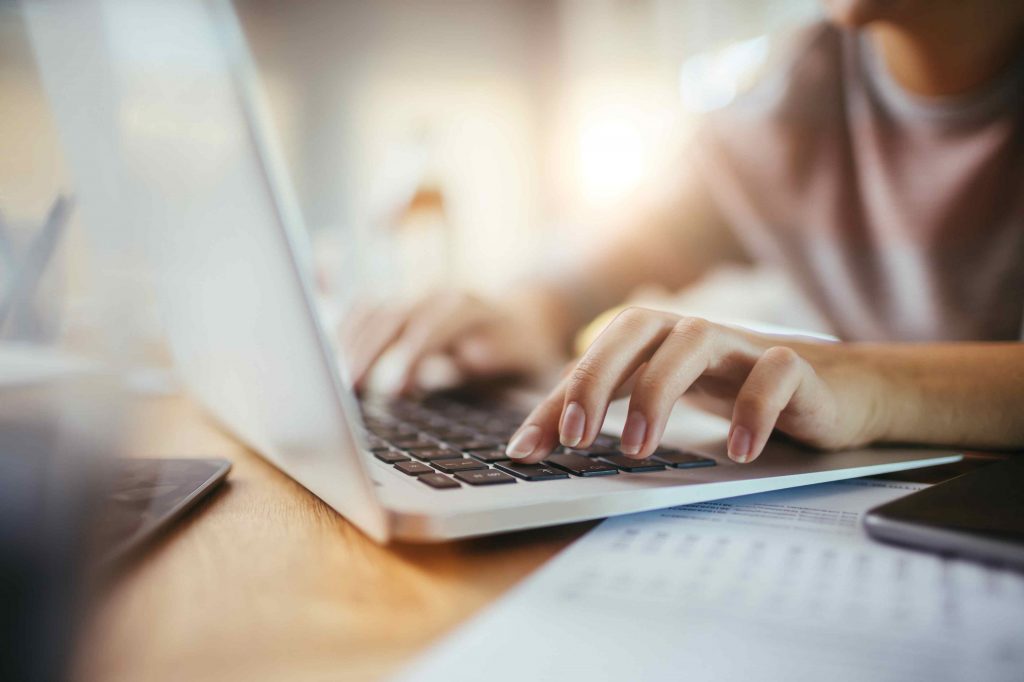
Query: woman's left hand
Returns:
{"type": "Point", "coordinates": [809, 391]}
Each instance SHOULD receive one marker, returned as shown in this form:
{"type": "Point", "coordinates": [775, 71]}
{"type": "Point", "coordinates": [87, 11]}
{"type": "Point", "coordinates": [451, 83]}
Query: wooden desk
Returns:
{"type": "Point", "coordinates": [265, 582]}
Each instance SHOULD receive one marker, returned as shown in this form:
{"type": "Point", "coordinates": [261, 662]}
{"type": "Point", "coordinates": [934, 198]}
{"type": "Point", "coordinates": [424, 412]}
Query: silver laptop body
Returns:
{"type": "Point", "coordinates": [184, 155]}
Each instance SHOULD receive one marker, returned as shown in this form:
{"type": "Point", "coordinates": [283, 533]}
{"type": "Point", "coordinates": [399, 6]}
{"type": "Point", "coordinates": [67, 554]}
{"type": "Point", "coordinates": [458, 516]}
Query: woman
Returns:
{"type": "Point", "coordinates": [881, 163]}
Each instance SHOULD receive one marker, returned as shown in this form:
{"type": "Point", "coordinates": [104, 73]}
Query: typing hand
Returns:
{"type": "Point", "coordinates": [655, 357]}
{"type": "Point", "coordinates": [477, 338]}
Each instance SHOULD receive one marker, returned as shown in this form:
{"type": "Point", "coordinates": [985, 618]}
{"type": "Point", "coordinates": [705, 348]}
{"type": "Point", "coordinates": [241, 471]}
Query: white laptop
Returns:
{"type": "Point", "coordinates": [195, 169]}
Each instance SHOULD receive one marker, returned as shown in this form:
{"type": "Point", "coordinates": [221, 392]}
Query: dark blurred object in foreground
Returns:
{"type": "Point", "coordinates": [54, 440]}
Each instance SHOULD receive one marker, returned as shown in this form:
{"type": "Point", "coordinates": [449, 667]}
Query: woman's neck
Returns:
{"type": "Point", "coordinates": [954, 48]}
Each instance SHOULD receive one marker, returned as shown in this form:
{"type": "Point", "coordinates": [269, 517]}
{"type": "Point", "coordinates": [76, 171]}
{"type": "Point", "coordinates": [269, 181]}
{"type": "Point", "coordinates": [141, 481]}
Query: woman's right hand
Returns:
{"type": "Point", "coordinates": [477, 337]}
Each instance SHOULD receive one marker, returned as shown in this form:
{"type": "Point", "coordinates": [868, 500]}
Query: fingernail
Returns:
{"type": "Point", "coordinates": [633, 433]}
{"type": "Point", "coordinates": [523, 442]}
{"type": "Point", "coordinates": [739, 444]}
{"type": "Point", "coordinates": [574, 421]}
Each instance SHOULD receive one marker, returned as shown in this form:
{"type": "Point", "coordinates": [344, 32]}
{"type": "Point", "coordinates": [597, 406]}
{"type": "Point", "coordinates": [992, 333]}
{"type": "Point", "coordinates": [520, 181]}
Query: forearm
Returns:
{"type": "Point", "coordinates": [957, 394]}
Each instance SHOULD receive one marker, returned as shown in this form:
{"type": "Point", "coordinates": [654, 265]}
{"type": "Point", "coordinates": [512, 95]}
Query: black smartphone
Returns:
{"type": "Point", "coordinates": [979, 515]}
{"type": "Point", "coordinates": [144, 496]}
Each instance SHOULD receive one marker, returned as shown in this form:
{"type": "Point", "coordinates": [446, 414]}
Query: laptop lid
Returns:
{"type": "Point", "coordinates": [166, 134]}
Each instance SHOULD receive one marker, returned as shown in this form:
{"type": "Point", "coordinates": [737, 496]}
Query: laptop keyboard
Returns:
{"type": "Point", "coordinates": [446, 444]}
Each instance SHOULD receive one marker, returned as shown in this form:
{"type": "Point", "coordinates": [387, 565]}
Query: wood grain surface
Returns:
{"type": "Point", "coordinates": [265, 582]}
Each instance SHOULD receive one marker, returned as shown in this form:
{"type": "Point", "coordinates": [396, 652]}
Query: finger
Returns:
{"type": "Point", "coordinates": [378, 331]}
{"type": "Point", "coordinates": [483, 353]}
{"type": "Point", "coordinates": [628, 342]}
{"type": "Point", "coordinates": [432, 332]}
{"type": "Point", "coordinates": [682, 358]}
{"type": "Point", "coordinates": [538, 435]}
{"type": "Point", "coordinates": [780, 378]}
{"type": "Point", "coordinates": [535, 444]}
{"type": "Point", "coordinates": [438, 372]}
{"type": "Point", "coordinates": [354, 321]}
{"type": "Point", "coordinates": [368, 338]}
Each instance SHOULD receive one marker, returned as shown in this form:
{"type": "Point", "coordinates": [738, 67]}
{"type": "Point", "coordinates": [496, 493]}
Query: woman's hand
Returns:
{"type": "Point", "coordinates": [479, 338]}
{"type": "Point", "coordinates": [805, 390]}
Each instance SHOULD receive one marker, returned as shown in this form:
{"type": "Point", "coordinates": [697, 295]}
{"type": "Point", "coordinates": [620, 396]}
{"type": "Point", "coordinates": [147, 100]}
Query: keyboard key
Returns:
{"type": "Point", "coordinates": [393, 431]}
{"type": "Point", "coordinates": [435, 454]}
{"type": "Point", "coordinates": [431, 422]}
{"type": "Point", "coordinates": [500, 437]}
{"type": "Point", "coordinates": [414, 468]}
{"type": "Point", "coordinates": [484, 477]}
{"type": "Point", "coordinates": [468, 444]}
{"type": "Point", "coordinates": [682, 460]}
{"type": "Point", "coordinates": [581, 466]}
{"type": "Point", "coordinates": [593, 451]}
{"type": "Point", "coordinates": [532, 472]}
{"type": "Point", "coordinates": [489, 456]}
{"type": "Point", "coordinates": [448, 433]}
{"type": "Point", "coordinates": [498, 426]}
{"type": "Point", "coordinates": [401, 407]}
{"type": "Point", "coordinates": [439, 481]}
{"type": "Point", "coordinates": [419, 443]}
{"type": "Point", "coordinates": [634, 466]}
{"type": "Point", "coordinates": [450, 466]}
{"type": "Point", "coordinates": [603, 445]}
{"type": "Point", "coordinates": [390, 456]}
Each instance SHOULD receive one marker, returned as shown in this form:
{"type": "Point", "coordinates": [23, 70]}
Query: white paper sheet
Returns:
{"type": "Point", "coordinates": [781, 586]}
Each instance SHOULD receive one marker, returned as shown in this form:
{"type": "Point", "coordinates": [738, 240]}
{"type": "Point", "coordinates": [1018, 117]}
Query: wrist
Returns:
{"type": "Point", "coordinates": [878, 406]}
{"type": "Point", "coordinates": [865, 393]}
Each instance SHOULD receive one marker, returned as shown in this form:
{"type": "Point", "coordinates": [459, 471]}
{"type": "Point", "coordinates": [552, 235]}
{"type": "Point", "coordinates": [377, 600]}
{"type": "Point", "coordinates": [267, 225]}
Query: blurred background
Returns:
{"type": "Point", "coordinates": [486, 133]}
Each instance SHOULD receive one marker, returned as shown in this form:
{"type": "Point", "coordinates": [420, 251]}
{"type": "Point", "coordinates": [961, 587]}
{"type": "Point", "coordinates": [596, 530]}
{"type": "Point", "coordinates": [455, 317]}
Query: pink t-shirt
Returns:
{"type": "Point", "coordinates": [901, 218]}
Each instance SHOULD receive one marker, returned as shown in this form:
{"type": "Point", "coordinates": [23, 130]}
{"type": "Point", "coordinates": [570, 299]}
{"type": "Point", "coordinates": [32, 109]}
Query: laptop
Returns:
{"type": "Point", "coordinates": [200, 177]}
